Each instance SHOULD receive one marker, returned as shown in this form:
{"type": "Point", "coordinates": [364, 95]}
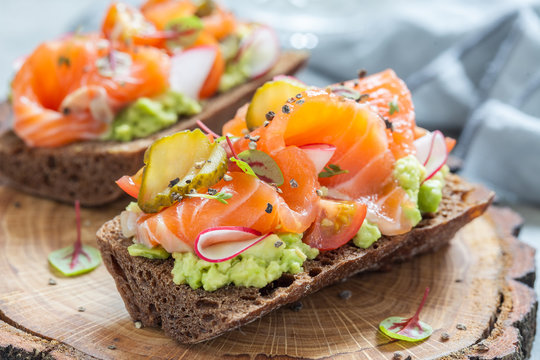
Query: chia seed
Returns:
{"type": "Point", "coordinates": [445, 336]}
{"type": "Point", "coordinates": [278, 243]}
{"type": "Point", "coordinates": [297, 306]}
{"type": "Point", "coordinates": [397, 355]}
{"type": "Point", "coordinates": [81, 309]}
{"type": "Point", "coordinates": [298, 96]}
{"type": "Point", "coordinates": [461, 326]}
{"type": "Point", "coordinates": [269, 208]}
{"type": "Point", "coordinates": [345, 294]}
{"type": "Point", "coordinates": [300, 102]}
{"type": "Point", "coordinates": [286, 109]}
{"type": "Point", "coordinates": [293, 183]}
{"type": "Point", "coordinates": [188, 181]}
{"type": "Point", "coordinates": [266, 123]}
{"type": "Point", "coordinates": [111, 347]}
{"type": "Point", "coordinates": [52, 281]}
{"type": "Point", "coordinates": [319, 192]}
{"type": "Point", "coordinates": [212, 191]}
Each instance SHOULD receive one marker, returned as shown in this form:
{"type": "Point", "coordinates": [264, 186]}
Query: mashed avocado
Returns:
{"type": "Point", "coordinates": [151, 253]}
{"type": "Point", "coordinates": [367, 235]}
{"type": "Point", "coordinates": [257, 266]}
{"type": "Point", "coordinates": [234, 75]}
{"type": "Point", "coordinates": [146, 116]}
{"type": "Point", "coordinates": [426, 196]}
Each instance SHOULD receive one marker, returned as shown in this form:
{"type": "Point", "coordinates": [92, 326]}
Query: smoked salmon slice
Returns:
{"type": "Point", "coordinates": [68, 89]}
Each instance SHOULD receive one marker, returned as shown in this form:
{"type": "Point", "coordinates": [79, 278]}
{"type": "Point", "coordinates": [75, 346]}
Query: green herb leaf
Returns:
{"type": "Point", "coordinates": [332, 170]}
{"type": "Point", "coordinates": [78, 258]}
{"type": "Point", "coordinates": [220, 196]}
{"type": "Point", "coordinates": [244, 166]}
{"type": "Point", "coordinates": [393, 106]}
{"type": "Point", "coordinates": [224, 138]}
{"type": "Point", "coordinates": [263, 165]}
{"type": "Point", "coordinates": [88, 259]}
{"type": "Point", "coordinates": [63, 60]}
{"type": "Point", "coordinates": [407, 329]}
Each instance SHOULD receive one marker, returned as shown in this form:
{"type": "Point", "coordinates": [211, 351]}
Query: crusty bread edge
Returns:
{"type": "Point", "coordinates": [87, 170]}
{"type": "Point", "coordinates": [330, 267]}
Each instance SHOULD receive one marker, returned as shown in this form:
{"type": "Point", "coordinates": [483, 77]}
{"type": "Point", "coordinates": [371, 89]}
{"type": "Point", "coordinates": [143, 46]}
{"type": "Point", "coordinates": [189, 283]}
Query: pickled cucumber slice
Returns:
{"type": "Point", "coordinates": [271, 97]}
{"type": "Point", "coordinates": [176, 164]}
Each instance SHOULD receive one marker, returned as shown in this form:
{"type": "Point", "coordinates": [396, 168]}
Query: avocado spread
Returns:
{"type": "Point", "coordinates": [367, 235]}
{"type": "Point", "coordinates": [257, 266]}
{"type": "Point", "coordinates": [151, 253]}
{"type": "Point", "coordinates": [427, 195]}
{"type": "Point", "coordinates": [146, 116]}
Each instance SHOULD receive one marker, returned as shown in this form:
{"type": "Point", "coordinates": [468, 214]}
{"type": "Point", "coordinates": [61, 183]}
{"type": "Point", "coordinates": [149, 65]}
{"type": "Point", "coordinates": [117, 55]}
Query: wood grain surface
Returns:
{"type": "Point", "coordinates": [482, 280]}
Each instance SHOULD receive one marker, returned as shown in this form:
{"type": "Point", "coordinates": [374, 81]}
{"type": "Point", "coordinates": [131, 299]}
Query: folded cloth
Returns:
{"type": "Point", "coordinates": [472, 68]}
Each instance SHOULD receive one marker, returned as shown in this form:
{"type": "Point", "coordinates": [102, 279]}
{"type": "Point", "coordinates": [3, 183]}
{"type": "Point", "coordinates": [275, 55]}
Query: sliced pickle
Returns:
{"type": "Point", "coordinates": [271, 97]}
{"type": "Point", "coordinates": [176, 164]}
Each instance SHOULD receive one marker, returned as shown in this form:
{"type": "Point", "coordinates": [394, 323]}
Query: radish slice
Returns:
{"type": "Point", "coordinates": [190, 68]}
{"type": "Point", "coordinates": [259, 51]}
{"type": "Point", "coordinates": [431, 152]}
{"type": "Point", "coordinates": [320, 154]}
{"type": "Point", "coordinates": [225, 242]}
{"type": "Point", "coordinates": [289, 78]}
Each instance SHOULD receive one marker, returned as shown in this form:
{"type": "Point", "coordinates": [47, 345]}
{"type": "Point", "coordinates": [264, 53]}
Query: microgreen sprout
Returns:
{"type": "Point", "coordinates": [332, 170]}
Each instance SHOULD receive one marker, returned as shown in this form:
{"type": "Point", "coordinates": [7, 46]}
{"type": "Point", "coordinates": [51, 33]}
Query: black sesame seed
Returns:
{"type": "Point", "coordinates": [188, 181]}
{"type": "Point", "coordinates": [269, 208]}
{"type": "Point", "coordinates": [270, 115]}
{"type": "Point", "coordinates": [286, 109]}
{"type": "Point", "coordinates": [293, 183]}
{"type": "Point", "coordinates": [174, 182]}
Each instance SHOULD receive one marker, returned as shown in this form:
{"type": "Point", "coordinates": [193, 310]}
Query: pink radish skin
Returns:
{"type": "Point", "coordinates": [225, 242]}
{"type": "Point", "coordinates": [320, 154]}
{"type": "Point", "coordinates": [262, 46]}
{"type": "Point", "coordinates": [432, 152]}
{"type": "Point", "coordinates": [190, 69]}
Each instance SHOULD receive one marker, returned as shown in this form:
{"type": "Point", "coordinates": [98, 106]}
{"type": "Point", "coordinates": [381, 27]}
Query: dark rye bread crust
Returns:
{"type": "Point", "coordinates": [87, 170]}
{"type": "Point", "coordinates": [192, 316]}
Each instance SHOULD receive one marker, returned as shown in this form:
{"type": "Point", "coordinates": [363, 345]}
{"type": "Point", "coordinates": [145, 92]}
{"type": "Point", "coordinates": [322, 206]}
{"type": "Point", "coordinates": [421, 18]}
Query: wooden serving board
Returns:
{"type": "Point", "coordinates": [482, 280]}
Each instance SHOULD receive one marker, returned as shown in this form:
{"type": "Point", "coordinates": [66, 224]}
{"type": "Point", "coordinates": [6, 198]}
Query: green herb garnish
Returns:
{"type": "Point", "coordinates": [393, 106]}
{"type": "Point", "coordinates": [407, 329]}
{"type": "Point", "coordinates": [332, 170]}
{"type": "Point", "coordinates": [75, 259]}
{"type": "Point", "coordinates": [220, 196]}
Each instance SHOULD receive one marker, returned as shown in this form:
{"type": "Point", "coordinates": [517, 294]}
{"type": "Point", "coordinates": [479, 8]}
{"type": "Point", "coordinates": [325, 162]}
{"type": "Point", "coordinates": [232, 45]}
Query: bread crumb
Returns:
{"type": "Point", "coordinates": [81, 309]}
{"type": "Point", "coordinates": [445, 336]}
{"type": "Point", "coordinates": [397, 355]}
{"type": "Point", "coordinates": [461, 326]}
{"type": "Point", "coordinates": [111, 347]}
{"type": "Point", "coordinates": [52, 281]}
{"type": "Point", "coordinates": [138, 324]}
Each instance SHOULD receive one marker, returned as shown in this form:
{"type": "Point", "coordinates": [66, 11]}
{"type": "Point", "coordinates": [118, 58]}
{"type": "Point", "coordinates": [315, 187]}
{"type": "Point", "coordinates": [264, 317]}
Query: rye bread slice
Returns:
{"type": "Point", "coordinates": [191, 316]}
{"type": "Point", "coordinates": [87, 170]}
